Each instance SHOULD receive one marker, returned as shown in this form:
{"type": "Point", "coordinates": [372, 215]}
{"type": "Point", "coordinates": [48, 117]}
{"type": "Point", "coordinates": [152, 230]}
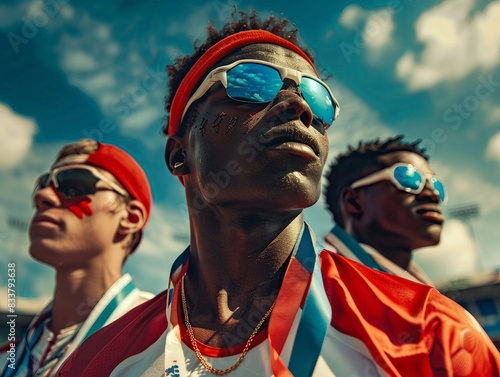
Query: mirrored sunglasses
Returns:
{"type": "Point", "coordinates": [257, 81]}
{"type": "Point", "coordinates": [73, 181]}
{"type": "Point", "coordinates": [406, 178]}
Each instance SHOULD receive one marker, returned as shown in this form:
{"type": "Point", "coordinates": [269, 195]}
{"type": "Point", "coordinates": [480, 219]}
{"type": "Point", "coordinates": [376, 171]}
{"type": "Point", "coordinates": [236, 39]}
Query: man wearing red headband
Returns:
{"type": "Point", "coordinates": [90, 209]}
{"type": "Point", "coordinates": [251, 295]}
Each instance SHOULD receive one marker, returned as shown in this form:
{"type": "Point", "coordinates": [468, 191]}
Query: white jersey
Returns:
{"type": "Point", "coordinates": [41, 353]}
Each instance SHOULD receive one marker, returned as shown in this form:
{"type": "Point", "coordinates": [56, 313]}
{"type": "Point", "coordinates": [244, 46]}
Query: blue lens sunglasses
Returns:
{"type": "Point", "coordinates": [406, 178]}
{"type": "Point", "coordinates": [257, 81]}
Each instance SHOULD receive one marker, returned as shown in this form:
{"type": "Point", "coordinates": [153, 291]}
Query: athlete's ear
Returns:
{"type": "Point", "coordinates": [175, 156]}
{"type": "Point", "coordinates": [135, 219]}
{"type": "Point", "coordinates": [352, 203]}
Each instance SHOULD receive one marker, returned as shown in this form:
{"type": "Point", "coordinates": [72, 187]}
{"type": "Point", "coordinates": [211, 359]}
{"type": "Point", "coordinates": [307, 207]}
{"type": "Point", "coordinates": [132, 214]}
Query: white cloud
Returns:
{"type": "Point", "coordinates": [166, 226]}
{"type": "Point", "coordinates": [455, 256]}
{"type": "Point", "coordinates": [34, 8]}
{"type": "Point", "coordinates": [67, 13]}
{"type": "Point", "coordinates": [493, 148]}
{"type": "Point", "coordinates": [101, 81]}
{"type": "Point", "coordinates": [78, 61]}
{"type": "Point", "coordinates": [16, 136]}
{"type": "Point", "coordinates": [122, 91]}
{"type": "Point", "coordinates": [494, 114]}
{"type": "Point", "coordinates": [471, 187]}
{"type": "Point", "coordinates": [455, 42]}
{"type": "Point", "coordinates": [468, 187]}
{"type": "Point", "coordinates": [379, 28]}
{"type": "Point", "coordinates": [351, 16]}
{"type": "Point", "coordinates": [378, 25]}
{"type": "Point", "coordinates": [143, 117]}
{"type": "Point", "coordinates": [103, 32]}
{"type": "Point", "coordinates": [34, 15]}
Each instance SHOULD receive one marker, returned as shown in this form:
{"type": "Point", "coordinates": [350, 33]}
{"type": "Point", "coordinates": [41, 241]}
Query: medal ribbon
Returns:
{"type": "Point", "coordinates": [302, 283]}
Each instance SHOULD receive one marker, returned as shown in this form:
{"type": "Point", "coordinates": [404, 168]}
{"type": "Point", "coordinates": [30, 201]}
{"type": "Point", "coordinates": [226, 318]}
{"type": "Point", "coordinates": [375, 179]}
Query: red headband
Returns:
{"type": "Point", "coordinates": [212, 56]}
{"type": "Point", "coordinates": [126, 170]}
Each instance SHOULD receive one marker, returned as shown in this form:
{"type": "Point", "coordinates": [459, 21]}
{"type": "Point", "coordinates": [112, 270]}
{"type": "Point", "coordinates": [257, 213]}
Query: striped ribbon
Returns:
{"type": "Point", "coordinates": [302, 283]}
{"type": "Point", "coordinates": [345, 240]}
{"type": "Point", "coordinates": [25, 347]}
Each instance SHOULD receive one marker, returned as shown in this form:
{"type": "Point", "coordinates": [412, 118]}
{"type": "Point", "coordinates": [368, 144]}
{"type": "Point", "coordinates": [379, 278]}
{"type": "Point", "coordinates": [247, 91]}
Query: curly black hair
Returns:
{"type": "Point", "coordinates": [353, 164]}
{"type": "Point", "coordinates": [247, 21]}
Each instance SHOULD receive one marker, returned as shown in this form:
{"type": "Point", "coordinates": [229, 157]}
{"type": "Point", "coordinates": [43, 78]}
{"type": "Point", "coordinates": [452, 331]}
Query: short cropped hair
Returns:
{"type": "Point", "coordinates": [353, 165]}
{"type": "Point", "coordinates": [247, 21]}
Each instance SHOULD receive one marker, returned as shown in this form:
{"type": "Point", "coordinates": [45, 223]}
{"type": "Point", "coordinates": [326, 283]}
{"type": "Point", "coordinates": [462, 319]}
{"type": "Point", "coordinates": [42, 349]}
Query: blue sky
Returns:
{"type": "Point", "coordinates": [72, 69]}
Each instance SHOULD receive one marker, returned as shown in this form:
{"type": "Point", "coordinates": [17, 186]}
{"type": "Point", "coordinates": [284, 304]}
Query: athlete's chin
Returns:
{"type": "Point", "coordinates": [431, 236]}
{"type": "Point", "coordinates": [300, 196]}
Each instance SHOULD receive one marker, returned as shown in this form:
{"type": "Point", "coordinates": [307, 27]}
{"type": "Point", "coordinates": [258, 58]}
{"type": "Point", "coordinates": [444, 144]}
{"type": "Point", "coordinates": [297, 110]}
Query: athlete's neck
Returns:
{"type": "Point", "coordinates": [76, 294]}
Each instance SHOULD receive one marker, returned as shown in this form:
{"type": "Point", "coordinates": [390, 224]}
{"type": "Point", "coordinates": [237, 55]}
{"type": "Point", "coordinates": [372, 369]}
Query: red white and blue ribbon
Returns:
{"type": "Point", "coordinates": [348, 245]}
{"type": "Point", "coordinates": [302, 284]}
{"type": "Point", "coordinates": [95, 321]}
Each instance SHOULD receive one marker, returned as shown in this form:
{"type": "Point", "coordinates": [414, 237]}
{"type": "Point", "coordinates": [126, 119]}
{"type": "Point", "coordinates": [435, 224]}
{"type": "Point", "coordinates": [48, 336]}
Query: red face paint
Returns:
{"type": "Point", "coordinates": [79, 205]}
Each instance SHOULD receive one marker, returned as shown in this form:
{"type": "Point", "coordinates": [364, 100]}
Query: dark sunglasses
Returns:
{"type": "Point", "coordinates": [257, 81]}
{"type": "Point", "coordinates": [406, 178]}
{"type": "Point", "coordinates": [71, 181]}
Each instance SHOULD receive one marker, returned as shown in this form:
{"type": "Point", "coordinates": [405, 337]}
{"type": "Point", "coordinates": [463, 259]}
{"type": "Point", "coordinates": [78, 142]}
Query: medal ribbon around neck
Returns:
{"type": "Point", "coordinates": [302, 283]}
{"type": "Point", "coordinates": [25, 347]}
{"type": "Point", "coordinates": [345, 240]}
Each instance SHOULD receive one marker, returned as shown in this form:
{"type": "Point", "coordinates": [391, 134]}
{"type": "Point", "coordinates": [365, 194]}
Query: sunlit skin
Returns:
{"type": "Point", "coordinates": [282, 171]}
{"type": "Point", "coordinates": [56, 230]}
{"type": "Point", "coordinates": [86, 251]}
{"type": "Point", "coordinates": [392, 221]}
{"type": "Point", "coordinates": [246, 191]}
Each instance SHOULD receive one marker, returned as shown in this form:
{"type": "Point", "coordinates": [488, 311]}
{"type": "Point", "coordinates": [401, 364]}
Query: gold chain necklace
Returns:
{"type": "Point", "coordinates": [200, 357]}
